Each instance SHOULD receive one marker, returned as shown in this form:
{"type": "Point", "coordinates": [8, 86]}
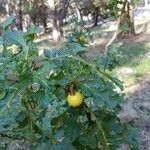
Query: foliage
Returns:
{"type": "Point", "coordinates": [33, 98]}
{"type": "Point", "coordinates": [114, 7]}
{"type": "Point", "coordinates": [134, 57]}
{"type": "Point", "coordinates": [113, 57]}
{"type": "Point", "coordinates": [78, 33]}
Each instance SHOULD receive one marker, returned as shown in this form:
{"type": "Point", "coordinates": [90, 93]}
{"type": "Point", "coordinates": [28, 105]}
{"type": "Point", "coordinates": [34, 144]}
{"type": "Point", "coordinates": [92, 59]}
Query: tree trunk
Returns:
{"type": "Point", "coordinates": [78, 12]}
{"type": "Point", "coordinates": [63, 11]}
{"type": "Point", "coordinates": [19, 15]}
{"type": "Point", "coordinates": [56, 30]}
{"type": "Point", "coordinates": [126, 22]}
{"type": "Point", "coordinates": [9, 8]}
{"type": "Point", "coordinates": [43, 17]}
{"type": "Point", "coordinates": [45, 26]}
{"type": "Point", "coordinates": [27, 21]}
{"type": "Point", "coordinates": [95, 16]}
{"type": "Point", "coordinates": [131, 18]}
{"type": "Point", "coordinates": [33, 18]}
{"type": "Point", "coordinates": [146, 3]}
{"type": "Point", "coordinates": [126, 18]}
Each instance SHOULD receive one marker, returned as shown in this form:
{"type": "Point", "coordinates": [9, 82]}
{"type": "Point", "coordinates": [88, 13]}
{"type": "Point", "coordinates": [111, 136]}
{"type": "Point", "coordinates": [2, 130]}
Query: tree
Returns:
{"type": "Point", "coordinates": [63, 10]}
{"type": "Point", "coordinates": [31, 8]}
{"type": "Point", "coordinates": [125, 22]}
{"type": "Point", "coordinates": [19, 15]}
{"type": "Point", "coordinates": [146, 2]}
{"type": "Point", "coordinates": [126, 19]}
{"type": "Point", "coordinates": [13, 8]}
{"type": "Point", "coordinates": [43, 14]}
{"type": "Point", "coordinates": [56, 29]}
{"type": "Point", "coordinates": [9, 7]}
{"type": "Point", "coordinates": [99, 9]}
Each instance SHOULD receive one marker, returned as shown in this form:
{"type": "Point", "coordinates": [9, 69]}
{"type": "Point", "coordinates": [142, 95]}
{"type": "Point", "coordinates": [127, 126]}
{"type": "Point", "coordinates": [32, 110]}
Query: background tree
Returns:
{"type": "Point", "coordinates": [30, 7]}
{"type": "Point", "coordinates": [63, 10]}
{"type": "Point", "coordinates": [53, 13]}
{"type": "Point", "coordinates": [56, 28]}
{"type": "Point", "coordinates": [126, 20]}
{"type": "Point", "coordinates": [19, 14]}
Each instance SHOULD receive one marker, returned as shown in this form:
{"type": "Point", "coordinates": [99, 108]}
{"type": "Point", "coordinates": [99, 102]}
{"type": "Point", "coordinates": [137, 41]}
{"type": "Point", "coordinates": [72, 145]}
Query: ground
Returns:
{"type": "Point", "coordinates": [140, 100]}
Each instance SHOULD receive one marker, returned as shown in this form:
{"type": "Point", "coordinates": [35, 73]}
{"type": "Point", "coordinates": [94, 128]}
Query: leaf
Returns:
{"type": "Point", "coordinates": [1, 43]}
{"type": "Point", "coordinates": [2, 66]}
{"type": "Point", "coordinates": [21, 116]}
{"type": "Point", "coordinates": [34, 29]}
{"type": "Point", "coordinates": [132, 136]}
{"type": "Point", "coordinates": [54, 109]}
{"type": "Point", "coordinates": [54, 53]}
{"type": "Point", "coordinates": [2, 94]}
{"type": "Point", "coordinates": [65, 145]}
{"type": "Point", "coordinates": [9, 109]}
{"type": "Point", "coordinates": [42, 146]}
{"type": "Point", "coordinates": [89, 140]}
{"type": "Point", "coordinates": [15, 37]}
{"type": "Point", "coordinates": [103, 96]}
{"type": "Point", "coordinates": [74, 129]}
{"type": "Point", "coordinates": [12, 76]}
{"type": "Point", "coordinates": [8, 21]}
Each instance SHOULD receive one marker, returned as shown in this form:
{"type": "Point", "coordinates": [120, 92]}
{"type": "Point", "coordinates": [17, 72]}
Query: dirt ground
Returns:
{"type": "Point", "coordinates": [139, 100]}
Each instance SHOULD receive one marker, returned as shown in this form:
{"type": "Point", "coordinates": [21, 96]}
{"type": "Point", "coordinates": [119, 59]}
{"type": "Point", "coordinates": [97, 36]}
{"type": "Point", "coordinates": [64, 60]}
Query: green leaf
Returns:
{"type": "Point", "coordinates": [2, 66]}
{"type": "Point", "coordinates": [1, 42]}
{"type": "Point", "coordinates": [74, 129]}
{"type": "Point", "coordinates": [65, 145]}
{"type": "Point", "coordinates": [89, 140]}
{"type": "Point", "coordinates": [15, 37]}
{"type": "Point", "coordinates": [132, 136]}
{"type": "Point", "coordinates": [2, 94]}
{"type": "Point", "coordinates": [34, 29]}
{"type": "Point", "coordinates": [8, 21]}
{"type": "Point", "coordinates": [9, 110]}
{"type": "Point", "coordinates": [42, 146]}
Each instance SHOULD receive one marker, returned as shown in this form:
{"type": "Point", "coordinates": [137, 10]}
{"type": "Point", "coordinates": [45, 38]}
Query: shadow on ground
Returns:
{"type": "Point", "coordinates": [139, 98]}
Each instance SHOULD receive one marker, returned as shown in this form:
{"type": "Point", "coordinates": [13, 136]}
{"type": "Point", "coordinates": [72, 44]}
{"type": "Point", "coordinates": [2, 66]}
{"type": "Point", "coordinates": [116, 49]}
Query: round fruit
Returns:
{"type": "Point", "coordinates": [81, 39]}
{"type": "Point", "coordinates": [75, 100]}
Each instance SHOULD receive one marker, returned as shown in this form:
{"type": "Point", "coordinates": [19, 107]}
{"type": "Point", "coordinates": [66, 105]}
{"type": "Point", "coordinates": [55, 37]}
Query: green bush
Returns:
{"type": "Point", "coordinates": [34, 90]}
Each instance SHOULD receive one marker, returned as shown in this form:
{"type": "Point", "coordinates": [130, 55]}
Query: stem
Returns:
{"type": "Point", "coordinates": [31, 128]}
{"type": "Point", "coordinates": [100, 128]}
{"type": "Point", "coordinates": [72, 89]}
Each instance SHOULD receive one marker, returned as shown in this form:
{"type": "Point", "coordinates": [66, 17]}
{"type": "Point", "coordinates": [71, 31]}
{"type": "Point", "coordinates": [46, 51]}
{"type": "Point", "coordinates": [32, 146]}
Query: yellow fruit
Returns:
{"type": "Point", "coordinates": [81, 38]}
{"type": "Point", "coordinates": [75, 100]}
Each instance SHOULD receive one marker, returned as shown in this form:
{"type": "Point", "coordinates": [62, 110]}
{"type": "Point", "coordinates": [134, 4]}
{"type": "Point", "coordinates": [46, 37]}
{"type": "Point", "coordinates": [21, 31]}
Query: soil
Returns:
{"type": "Point", "coordinates": [139, 99]}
